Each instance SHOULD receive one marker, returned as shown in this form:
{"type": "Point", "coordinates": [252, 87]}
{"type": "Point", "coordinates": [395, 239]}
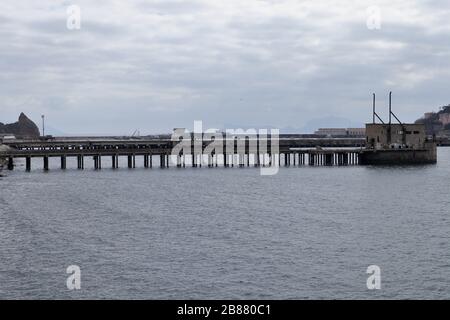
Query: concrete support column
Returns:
{"type": "Point", "coordinates": [45, 163]}
{"type": "Point", "coordinates": [241, 158]}
{"type": "Point", "coordinates": [130, 161]}
{"type": "Point", "coordinates": [10, 163]}
{"type": "Point", "coordinates": [328, 161]}
{"type": "Point", "coordinates": [145, 160]}
{"type": "Point", "coordinates": [194, 160]}
{"type": "Point", "coordinates": [28, 163]}
{"type": "Point", "coordinates": [345, 158]}
{"type": "Point", "coordinates": [209, 161]}
{"type": "Point", "coordinates": [63, 163]}
{"type": "Point", "coordinates": [162, 161]}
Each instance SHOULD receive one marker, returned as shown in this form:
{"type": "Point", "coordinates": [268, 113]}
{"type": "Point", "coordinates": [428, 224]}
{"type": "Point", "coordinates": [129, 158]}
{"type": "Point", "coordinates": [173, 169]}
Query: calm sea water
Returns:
{"type": "Point", "coordinates": [226, 233]}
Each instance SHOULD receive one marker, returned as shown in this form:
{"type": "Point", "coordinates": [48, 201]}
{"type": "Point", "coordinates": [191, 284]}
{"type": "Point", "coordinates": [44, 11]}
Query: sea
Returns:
{"type": "Point", "coordinates": [225, 233]}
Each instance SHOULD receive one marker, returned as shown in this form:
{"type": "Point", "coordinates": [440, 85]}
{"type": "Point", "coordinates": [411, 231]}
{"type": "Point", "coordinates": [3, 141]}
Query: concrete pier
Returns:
{"type": "Point", "coordinates": [286, 154]}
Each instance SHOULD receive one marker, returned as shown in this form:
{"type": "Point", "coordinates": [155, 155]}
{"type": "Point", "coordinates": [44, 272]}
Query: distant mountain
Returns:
{"type": "Point", "coordinates": [54, 131]}
{"type": "Point", "coordinates": [310, 127]}
{"type": "Point", "coordinates": [24, 127]}
{"type": "Point", "coordinates": [330, 122]}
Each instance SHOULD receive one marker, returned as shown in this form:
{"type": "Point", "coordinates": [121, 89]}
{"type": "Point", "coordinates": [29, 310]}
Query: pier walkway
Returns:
{"type": "Point", "coordinates": [158, 151]}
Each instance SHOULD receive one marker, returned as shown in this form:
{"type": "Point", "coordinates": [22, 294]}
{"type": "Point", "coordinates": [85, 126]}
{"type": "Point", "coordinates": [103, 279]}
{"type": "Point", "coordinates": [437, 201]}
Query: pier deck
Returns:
{"type": "Point", "coordinates": [290, 151]}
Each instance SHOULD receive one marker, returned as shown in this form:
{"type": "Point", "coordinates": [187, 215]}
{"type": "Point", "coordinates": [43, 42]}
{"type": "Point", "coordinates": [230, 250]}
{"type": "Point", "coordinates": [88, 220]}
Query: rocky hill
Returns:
{"type": "Point", "coordinates": [437, 123]}
{"type": "Point", "coordinates": [24, 127]}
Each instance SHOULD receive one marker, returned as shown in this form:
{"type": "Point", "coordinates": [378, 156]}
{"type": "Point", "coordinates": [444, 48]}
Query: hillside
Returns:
{"type": "Point", "coordinates": [437, 123]}
{"type": "Point", "coordinates": [24, 127]}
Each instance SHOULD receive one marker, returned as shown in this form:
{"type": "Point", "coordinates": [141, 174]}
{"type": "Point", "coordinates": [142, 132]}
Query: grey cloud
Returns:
{"type": "Point", "coordinates": [165, 64]}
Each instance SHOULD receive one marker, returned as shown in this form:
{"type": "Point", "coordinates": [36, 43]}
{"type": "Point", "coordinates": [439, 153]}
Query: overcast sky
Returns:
{"type": "Point", "coordinates": [155, 65]}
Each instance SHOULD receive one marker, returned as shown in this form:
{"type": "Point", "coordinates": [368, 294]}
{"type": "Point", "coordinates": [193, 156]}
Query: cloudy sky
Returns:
{"type": "Point", "coordinates": [158, 64]}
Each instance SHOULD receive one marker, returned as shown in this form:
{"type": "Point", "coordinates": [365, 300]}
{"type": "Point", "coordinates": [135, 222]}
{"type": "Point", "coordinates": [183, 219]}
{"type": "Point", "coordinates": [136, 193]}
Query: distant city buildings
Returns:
{"type": "Point", "coordinates": [444, 118]}
{"type": "Point", "coordinates": [353, 132]}
{"type": "Point", "coordinates": [437, 123]}
{"type": "Point", "coordinates": [428, 115]}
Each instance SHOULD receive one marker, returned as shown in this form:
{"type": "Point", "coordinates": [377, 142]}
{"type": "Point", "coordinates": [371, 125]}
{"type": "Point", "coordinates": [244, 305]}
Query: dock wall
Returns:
{"type": "Point", "coordinates": [396, 156]}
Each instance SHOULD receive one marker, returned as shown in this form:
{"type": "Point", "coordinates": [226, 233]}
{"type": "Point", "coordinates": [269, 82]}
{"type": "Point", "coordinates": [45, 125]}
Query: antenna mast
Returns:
{"type": "Point", "coordinates": [374, 114]}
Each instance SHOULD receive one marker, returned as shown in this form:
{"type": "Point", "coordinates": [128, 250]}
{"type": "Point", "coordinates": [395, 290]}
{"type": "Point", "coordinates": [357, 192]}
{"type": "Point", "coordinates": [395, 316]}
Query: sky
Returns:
{"type": "Point", "coordinates": [155, 65]}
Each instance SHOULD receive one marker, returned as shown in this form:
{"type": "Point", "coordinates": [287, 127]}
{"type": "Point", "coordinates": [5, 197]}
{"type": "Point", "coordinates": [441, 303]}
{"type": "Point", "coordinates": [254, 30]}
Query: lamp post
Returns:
{"type": "Point", "coordinates": [43, 125]}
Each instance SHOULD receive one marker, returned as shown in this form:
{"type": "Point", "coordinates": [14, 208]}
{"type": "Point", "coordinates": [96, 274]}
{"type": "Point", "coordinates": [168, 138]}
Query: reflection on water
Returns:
{"type": "Point", "coordinates": [307, 232]}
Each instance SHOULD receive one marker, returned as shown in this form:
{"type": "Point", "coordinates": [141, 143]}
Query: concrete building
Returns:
{"type": "Point", "coordinates": [354, 132]}
{"type": "Point", "coordinates": [6, 137]}
{"type": "Point", "coordinates": [332, 131]}
{"type": "Point", "coordinates": [428, 115]}
{"type": "Point", "coordinates": [395, 136]}
{"type": "Point", "coordinates": [393, 144]}
{"type": "Point", "coordinates": [444, 118]}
